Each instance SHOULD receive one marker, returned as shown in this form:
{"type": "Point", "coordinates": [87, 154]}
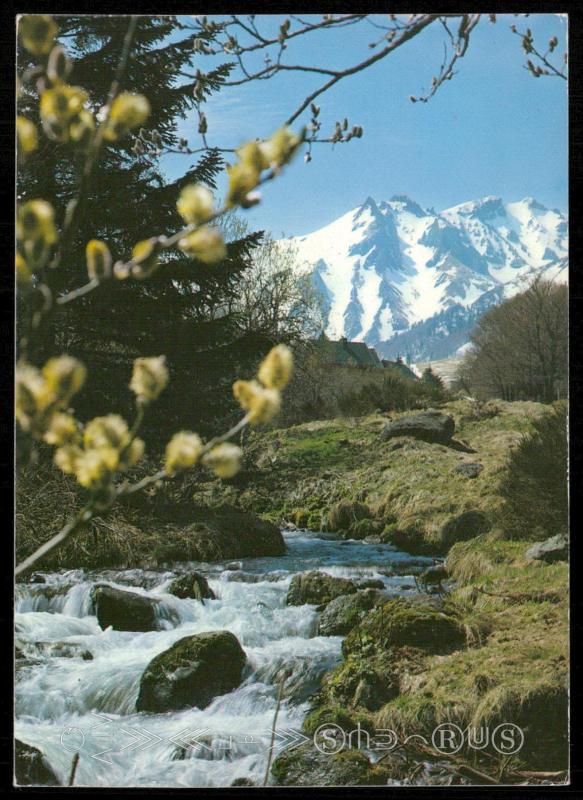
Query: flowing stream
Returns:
{"type": "Point", "coordinates": [76, 685]}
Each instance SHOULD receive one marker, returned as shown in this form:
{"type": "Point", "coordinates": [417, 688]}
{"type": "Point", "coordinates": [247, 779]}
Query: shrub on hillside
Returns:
{"type": "Point", "coordinates": [535, 491]}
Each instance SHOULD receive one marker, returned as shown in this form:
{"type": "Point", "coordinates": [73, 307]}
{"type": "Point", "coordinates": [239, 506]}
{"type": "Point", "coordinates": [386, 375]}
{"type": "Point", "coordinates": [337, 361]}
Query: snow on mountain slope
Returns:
{"type": "Point", "coordinates": [385, 268]}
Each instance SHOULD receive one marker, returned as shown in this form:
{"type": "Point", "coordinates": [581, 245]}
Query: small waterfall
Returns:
{"type": "Point", "coordinates": [77, 684]}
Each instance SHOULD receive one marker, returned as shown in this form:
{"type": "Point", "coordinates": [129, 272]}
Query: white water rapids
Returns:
{"type": "Point", "coordinates": [67, 703]}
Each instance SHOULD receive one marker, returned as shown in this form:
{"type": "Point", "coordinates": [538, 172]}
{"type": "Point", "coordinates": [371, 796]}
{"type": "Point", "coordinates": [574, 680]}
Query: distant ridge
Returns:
{"type": "Point", "coordinates": [412, 281]}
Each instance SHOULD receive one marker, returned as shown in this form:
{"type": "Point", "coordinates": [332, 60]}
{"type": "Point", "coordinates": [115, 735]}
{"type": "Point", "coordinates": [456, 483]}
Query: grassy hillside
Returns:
{"type": "Point", "coordinates": [413, 493]}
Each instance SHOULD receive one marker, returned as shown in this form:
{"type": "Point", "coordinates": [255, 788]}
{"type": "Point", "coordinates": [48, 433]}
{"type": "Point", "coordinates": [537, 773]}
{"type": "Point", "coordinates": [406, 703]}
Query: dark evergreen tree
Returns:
{"type": "Point", "coordinates": [431, 378]}
{"type": "Point", "coordinates": [180, 311]}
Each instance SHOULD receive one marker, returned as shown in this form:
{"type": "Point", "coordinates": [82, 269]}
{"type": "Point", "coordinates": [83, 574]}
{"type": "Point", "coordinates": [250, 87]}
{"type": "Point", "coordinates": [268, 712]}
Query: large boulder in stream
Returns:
{"type": "Point", "coordinates": [124, 611]}
{"type": "Point", "coordinates": [192, 672]}
{"type": "Point", "coordinates": [344, 612]}
{"type": "Point", "coordinates": [31, 767]}
{"type": "Point", "coordinates": [430, 426]}
{"type": "Point", "coordinates": [193, 586]}
{"type": "Point", "coordinates": [317, 587]}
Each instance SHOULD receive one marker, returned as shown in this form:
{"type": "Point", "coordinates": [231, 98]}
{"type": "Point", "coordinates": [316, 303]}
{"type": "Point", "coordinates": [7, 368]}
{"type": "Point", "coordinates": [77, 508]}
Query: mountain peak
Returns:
{"type": "Point", "coordinates": [405, 203]}
{"type": "Point", "coordinates": [485, 208]}
{"type": "Point", "coordinates": [533, 204]}
{"type": "Point", "coordinates": [384, 268]}
{"type": "Point", "coordinates": [370, 203]}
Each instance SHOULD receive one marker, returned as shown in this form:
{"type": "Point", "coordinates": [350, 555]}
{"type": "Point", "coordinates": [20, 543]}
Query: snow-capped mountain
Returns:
{"type": "Point", "coordinates": [413, 281]}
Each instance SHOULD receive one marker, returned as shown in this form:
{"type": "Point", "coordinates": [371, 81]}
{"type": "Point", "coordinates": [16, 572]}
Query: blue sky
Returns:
{"type": "Point", "coordinates": [492, 130]}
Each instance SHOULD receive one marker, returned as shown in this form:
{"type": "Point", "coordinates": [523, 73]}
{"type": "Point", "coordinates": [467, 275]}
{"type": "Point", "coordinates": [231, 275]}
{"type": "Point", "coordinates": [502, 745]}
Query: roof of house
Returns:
{"type": "Point", "coordinates": [345, 352]}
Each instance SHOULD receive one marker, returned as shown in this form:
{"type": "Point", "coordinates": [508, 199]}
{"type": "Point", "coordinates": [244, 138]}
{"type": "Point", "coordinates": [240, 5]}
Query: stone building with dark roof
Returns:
{"type": "Point", "coordinates": [345, 353]}
{"type": "Point", "coordinates": [358, 354]}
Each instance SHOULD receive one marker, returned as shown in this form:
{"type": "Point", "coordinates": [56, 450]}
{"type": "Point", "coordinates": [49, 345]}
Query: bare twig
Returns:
{"type": "Point", "coordinates": [73, 772]}
{"type": "Point", "coordinates": [273, 729]}
{"type": "Point", "coordinates": [87, 512]}
{"type": "Point", "coordinates": [408, 33]}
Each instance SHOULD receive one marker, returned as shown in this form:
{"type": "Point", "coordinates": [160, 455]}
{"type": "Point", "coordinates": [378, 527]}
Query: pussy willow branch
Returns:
{"type": "Point", "coordinates": [76, 205]}
{"type": "Point", "coordinates": [554, 72]}
{"type": "Point", "coordinates": [87, 512]}
{"type": "Point", "coordinates": [164, 243]}
{"type": "Point", "coordinates": [262, 42]}
{"type": "Point", "coordinates": [402, 35]}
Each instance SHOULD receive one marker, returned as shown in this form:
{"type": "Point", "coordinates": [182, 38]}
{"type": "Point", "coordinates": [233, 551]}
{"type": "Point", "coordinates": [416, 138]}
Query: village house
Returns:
{"type": "Point", "coordinates": [343, 352]}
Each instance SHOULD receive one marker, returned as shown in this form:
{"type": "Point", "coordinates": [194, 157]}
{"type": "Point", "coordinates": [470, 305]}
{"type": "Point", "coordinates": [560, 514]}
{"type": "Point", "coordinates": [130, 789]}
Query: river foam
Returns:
{"type": "Point", "coordinates": [86, 703]}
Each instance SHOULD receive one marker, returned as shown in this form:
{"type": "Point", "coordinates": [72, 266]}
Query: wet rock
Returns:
{"type": "Point", "coordinates": [54, 650]}
{"type": "Point", "coordinates": [371, 583]}
{"type": "Point", "coordinates": [375, 539]}
{"type": "Point", "coordinates": [307, 766]}
{"type": "Point", "coordinates": [31, 767]}
{"type": "Point", "coordinates": [399, 623]}
{"type": "Point", "coordinates": [433, 575]}
{"type": "Point", "coordinates": [469, 469]}
{"type": "Point", "coordinates": [36, 577]}
{"type": "Point", "coordinates": [192, 672]}
{"type": "Point", "coordinates": [554, 549]}
{"type": "Point", "coordinates": [193, 585]}
{"type": "Point", "coordinates": [317, 587]}
{"type": "Point", "coordinates": [41, 596]}
{"type": "Point", "coordinates": [124, 611]}
{"type": "Point", "coordinates": [344, 612]}
{"type": "Point", "coordinates": [243, 782]}
{"type": "Point", "coordinates": [430, 426]}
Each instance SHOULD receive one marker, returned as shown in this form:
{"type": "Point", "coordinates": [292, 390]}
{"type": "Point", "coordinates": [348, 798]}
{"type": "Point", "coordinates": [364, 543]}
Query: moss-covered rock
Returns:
{"type": "Point", "coordinates": [344, 612]}
{"type": "Point", "coordinates": [307, 766]}
{"type": "Point", "coordinates": [192, 585]}
{"type": "Point", "coordinates": [192, 672]}
{"type": "Point", "coordinates": [333, 714]}
{"type": "Point", "coordinates": [399, 623]}
{"type": "Point", "coordinates": [368, 681]}
{"type": "Point", "coordinates": [345, 513]}
{"type": "Point", "coordinates": [31, 768]}
{"type": "Point", "coordinates": [411, 539]}
{"type": "Point", "coordinates": [318, 588]}
{"type": "Point", "coordinates": [364, 528]}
